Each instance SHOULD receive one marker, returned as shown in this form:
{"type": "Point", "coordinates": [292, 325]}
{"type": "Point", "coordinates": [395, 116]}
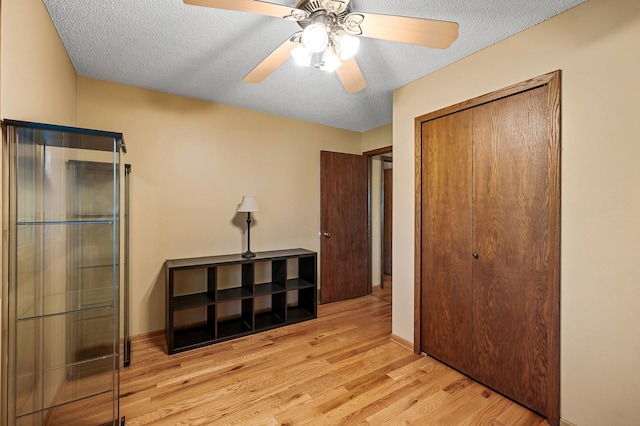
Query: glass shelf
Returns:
{"type": "Point", "coordinates": [67, 222]}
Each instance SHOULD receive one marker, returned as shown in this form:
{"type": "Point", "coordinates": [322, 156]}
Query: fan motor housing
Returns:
{"type": "Point", "coordinates": [317, 13]}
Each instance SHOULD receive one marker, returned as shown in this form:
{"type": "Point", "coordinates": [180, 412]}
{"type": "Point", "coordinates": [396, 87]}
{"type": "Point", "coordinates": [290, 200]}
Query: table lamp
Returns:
{"type": "Point", "coordinates": [248, 205]}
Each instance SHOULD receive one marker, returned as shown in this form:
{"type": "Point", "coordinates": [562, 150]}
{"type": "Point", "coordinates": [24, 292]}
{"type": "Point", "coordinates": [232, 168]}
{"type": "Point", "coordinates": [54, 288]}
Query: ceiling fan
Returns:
{"type": "Point", "coordinates": [328, 39]}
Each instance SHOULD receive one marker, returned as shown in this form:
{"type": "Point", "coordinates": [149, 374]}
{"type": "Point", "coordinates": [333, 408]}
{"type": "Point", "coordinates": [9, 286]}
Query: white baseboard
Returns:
{"type": "Point", "coordinates": [566, 423]}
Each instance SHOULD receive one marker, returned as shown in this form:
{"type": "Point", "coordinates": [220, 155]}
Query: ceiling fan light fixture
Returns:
{"type": "Point", "coordinates": [323, 40]}
{"type": "Point", "coordinates": [346, 44]}
{"type": "Point", "coordinates": [315, 37]}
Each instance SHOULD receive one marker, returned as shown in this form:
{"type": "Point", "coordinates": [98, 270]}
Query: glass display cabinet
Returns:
{"type": "Point", "coordinates": [61, 236]}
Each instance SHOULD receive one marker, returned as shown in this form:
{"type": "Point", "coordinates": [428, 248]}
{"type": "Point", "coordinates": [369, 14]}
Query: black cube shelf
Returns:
{"type": "Point", "coordinates": [206, 300]}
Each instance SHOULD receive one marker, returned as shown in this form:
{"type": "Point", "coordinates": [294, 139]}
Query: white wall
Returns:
{"type": "Point", "coordinates": [596, 45]}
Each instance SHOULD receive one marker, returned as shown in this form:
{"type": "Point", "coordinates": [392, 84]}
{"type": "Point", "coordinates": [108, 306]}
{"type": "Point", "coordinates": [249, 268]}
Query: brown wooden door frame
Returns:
{"type": "Point", "coordinates": [552, 82]}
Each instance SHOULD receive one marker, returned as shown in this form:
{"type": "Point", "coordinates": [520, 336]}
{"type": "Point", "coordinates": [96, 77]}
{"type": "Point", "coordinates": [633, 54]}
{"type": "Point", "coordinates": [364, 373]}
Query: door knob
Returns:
{"type": "Point", "coordinates": [476, 256]}
{"type": "Point", "coordinates": [327, 234]}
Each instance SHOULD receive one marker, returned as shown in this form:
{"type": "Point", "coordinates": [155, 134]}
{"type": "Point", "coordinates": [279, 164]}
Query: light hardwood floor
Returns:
{"type": "Point", "coordinates": [338, 369]}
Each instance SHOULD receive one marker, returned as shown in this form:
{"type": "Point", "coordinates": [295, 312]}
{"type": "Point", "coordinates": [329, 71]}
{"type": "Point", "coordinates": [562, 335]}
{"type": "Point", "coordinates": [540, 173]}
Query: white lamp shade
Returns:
{"type": "Point", "coordinates": [248, 204]}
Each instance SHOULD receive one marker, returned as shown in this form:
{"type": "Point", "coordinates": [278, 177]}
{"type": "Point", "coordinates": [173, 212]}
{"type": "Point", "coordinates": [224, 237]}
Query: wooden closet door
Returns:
{"type": "Point", "coordinates": [446, 331]}
{"type": "Point", "coordinates": [512, 315]}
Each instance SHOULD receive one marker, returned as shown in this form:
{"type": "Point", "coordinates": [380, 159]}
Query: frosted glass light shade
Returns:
{"type": "Point", "coordinates": [315, 38]}
{"type": "Point", "coordinates": [248, 204]}
{"type": "Point", "coordinates": [348, 46]}
{"type": "Point", "coordinates": [302, 56]}
{"type": "Point", "coordinates": [330, 60]}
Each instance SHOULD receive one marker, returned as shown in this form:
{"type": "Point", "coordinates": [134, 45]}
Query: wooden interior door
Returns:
{"type": "Point", "coordinates": [344, 219]}
{"type": "Point", "coordinates": [511, 237]}
{"type": "Point", "coordinates": [387, 215]}
{"type": "Point", "coordinates": [446, 243]}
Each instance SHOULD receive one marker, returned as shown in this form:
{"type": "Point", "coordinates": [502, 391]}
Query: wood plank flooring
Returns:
{"type": "Point", "coordinates": [338, 369]}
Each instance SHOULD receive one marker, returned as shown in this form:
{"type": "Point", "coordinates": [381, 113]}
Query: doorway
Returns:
{"type": "Point", "coordinates": [381, 213]}
{"type": "Point", "coordinates": [354, 243]}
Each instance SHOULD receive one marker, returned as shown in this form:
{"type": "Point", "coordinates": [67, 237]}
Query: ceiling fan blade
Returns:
{"type": "Point", "coordinates": [425, 32]}
{"type": "Point", "coordinates": [253, 6]}
{"type": "Point", "coordinates": [351, 76]}
{"type": "Point", "coordinates": [271, 62]}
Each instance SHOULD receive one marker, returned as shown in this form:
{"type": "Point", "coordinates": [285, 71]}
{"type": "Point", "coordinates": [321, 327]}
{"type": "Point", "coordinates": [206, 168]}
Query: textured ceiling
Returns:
{"type": "Point", "coordinates": [204, 53]}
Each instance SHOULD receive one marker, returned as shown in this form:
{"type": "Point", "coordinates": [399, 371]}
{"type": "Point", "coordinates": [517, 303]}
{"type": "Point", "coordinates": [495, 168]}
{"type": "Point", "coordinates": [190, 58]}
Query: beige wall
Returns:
{"type": "Point", "coordinates": [192, 162]}
{"type": "Point", "coordinates": [596, 47]}
{"type": "Point", "coordinates": [38, 79]}
{"type": "Point", "coordinates": [379, 137]}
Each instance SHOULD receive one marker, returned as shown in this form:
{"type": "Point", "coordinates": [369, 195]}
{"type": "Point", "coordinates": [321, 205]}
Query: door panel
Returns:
{"type": "Point", "coordinates": [511, 236]}
{"type": "Point", "coordinates": [344, 255]}
{"type": "Point", "coordinates": [446, 240]}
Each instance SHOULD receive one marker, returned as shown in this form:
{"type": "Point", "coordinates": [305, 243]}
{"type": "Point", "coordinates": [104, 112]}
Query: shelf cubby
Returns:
{"type": "Point", "coordinates": [268, 288]}
{"type": "Point", "coordinates": [191, 300]}
{"type": "Point", "coordinates": [275, 314]}
{"type": "Point", "coordinates": [236, 293]}
{"type": "Point", "coordinates": [193, 337]}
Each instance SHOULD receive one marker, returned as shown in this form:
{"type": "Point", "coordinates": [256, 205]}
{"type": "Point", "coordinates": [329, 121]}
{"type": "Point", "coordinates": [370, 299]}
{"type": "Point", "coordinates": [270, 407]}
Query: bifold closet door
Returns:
{"type": "Point", "coordinates": [511, 237]}
{"type": "Point", "coordinates": [489, 244]}
{"type": "Point", "coordinates": [446, 226]}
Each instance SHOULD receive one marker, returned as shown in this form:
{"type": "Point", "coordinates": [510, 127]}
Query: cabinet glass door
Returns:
{"type": "Point", "coordinates": [61, 297]}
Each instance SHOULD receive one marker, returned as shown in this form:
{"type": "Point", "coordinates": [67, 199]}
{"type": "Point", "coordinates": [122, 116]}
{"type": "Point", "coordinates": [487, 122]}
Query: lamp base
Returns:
{"type": "Point", "coordinates": [248, 254]}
